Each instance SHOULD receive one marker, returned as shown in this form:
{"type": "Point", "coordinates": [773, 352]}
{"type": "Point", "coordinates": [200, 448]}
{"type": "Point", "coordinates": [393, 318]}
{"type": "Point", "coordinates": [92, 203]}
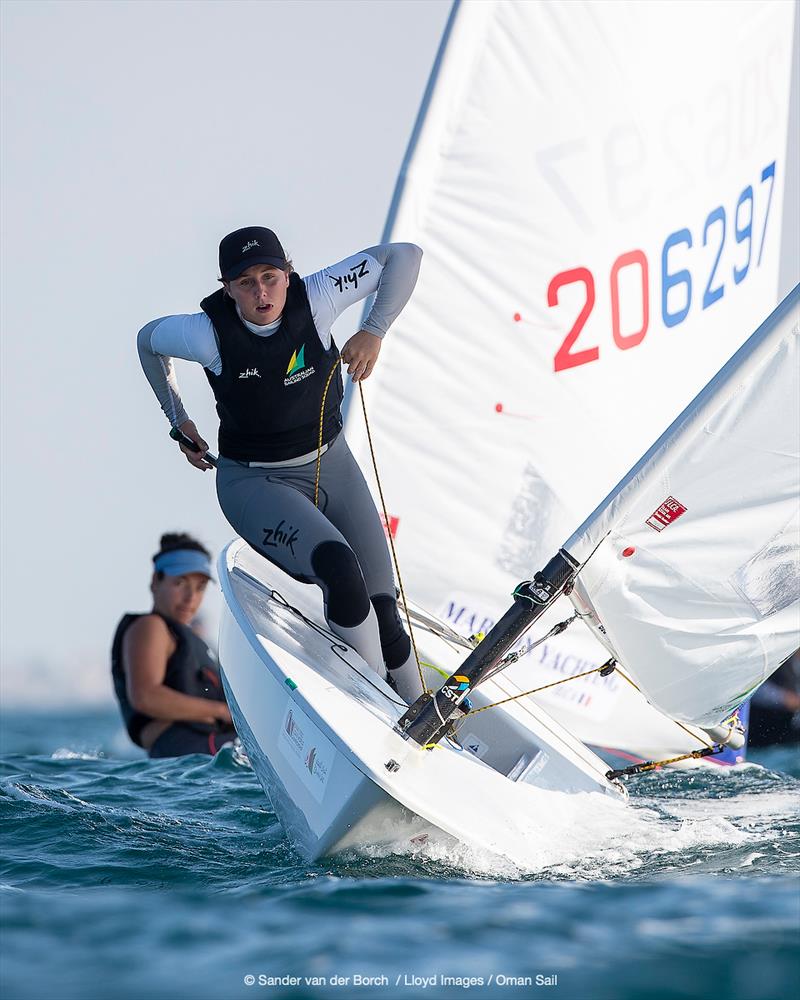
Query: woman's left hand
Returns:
{"type": "Point", "coordinates": [360, 354]}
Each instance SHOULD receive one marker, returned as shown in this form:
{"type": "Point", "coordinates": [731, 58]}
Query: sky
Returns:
{"type": "Point", "coordinates": [134, 136]}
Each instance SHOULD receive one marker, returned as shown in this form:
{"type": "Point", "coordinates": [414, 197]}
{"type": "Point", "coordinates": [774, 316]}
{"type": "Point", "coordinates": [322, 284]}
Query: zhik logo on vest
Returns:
{"type": "Point", "coordinates": [297, 370]}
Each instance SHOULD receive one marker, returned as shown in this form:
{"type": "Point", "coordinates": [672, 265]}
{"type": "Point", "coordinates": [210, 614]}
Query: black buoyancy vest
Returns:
{"type": "Point", "coordinates": [192, 670]}
{"type": "Point", "coordinates": [269, 392]}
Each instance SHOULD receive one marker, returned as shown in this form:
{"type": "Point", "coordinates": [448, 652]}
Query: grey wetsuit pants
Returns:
{"type": "Point", "coordinates": [340, 546]}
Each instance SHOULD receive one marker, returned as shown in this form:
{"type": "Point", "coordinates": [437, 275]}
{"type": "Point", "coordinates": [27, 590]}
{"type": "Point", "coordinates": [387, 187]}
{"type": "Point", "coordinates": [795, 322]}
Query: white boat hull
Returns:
{"type": "Point", "coordinates": [315, 826]}
{"type": "Point", "coordinates": [318, 726]}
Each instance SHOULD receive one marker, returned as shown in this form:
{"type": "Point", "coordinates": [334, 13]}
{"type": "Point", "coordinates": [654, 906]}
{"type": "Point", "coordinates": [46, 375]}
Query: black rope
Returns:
{"type": "Point", "coordinates": [337, 647]}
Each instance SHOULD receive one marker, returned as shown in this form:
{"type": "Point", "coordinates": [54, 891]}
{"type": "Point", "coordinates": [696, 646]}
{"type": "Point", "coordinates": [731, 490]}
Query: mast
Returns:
{"type": "Point", "coordinates": [426, 721]}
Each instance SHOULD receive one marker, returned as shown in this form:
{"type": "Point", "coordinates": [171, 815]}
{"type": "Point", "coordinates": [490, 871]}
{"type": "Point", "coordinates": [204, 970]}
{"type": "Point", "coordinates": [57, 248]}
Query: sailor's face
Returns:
{"type": "Point", "coordinates": [260, 293]}
{"type": "Point", "coordinates": [179, 597]}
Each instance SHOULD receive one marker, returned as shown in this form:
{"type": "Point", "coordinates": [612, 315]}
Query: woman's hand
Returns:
{"type": "Point", "coordinates": [222, 713]}
{"type": "Point", "coordinates": [360, 354]}
{"type": "Point", "coordinates": [195, 458]}
{"type": "Point", "coordinates": [218, 711]}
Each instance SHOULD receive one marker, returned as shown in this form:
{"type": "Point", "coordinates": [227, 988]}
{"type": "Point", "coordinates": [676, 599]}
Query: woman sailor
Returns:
{"type": "Point", "coordinates": [264, 341]}
{"type": "Point", "coordinates": [165, 677]}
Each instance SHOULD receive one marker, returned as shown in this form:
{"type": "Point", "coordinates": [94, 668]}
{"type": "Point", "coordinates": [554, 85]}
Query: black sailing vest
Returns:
{"type": "Point", "coordinates": [190, 670]}
{"type": "Point", "coordinates": [270, 390]}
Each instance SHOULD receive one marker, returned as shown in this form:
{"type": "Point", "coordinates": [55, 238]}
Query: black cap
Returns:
{"type": "Point", "coordinates": [248, 246]}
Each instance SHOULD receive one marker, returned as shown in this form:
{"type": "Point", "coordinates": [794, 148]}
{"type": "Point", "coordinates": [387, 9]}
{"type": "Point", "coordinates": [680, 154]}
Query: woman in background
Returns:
{"type": "Point", "coordinates": [775, 707]}
{"type": "Point", "coordinates": [166, 678]}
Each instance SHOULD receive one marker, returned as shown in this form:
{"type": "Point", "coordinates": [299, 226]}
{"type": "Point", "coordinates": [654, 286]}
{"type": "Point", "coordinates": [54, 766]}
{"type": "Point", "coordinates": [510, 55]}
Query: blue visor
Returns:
{"type": "Point", "coordinates": [182, 561]}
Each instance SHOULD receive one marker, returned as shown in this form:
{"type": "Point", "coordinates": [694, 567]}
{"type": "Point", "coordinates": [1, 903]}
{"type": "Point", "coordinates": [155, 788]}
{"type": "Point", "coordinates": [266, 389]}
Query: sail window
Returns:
{"type": "Point", "coordinates": [769, 579]}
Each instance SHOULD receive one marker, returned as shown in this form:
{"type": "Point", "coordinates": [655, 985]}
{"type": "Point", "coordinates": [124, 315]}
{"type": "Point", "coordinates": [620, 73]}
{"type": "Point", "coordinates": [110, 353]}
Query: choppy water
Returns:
{"type": "Point", "coordinates": [129, 878]}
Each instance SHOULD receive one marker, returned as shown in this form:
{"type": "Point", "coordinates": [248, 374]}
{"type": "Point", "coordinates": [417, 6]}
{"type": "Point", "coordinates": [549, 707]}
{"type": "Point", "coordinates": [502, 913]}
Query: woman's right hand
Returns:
{"type": "Point", "coordinates": [195, 458]}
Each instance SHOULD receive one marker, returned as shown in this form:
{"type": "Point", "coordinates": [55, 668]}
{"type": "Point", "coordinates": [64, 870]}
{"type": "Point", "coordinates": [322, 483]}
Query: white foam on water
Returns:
{"type": "Point", "coordinates": [585, 835]}
{"type": "Point", "coordinates": [759, 807]}
{"type": "Point", "coordinates": [64, 753]}
{"type": "Point", "coordinates": [23, 792]}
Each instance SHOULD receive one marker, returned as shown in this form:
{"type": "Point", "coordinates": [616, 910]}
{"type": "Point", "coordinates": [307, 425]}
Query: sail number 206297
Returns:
{"type": "Point", "coordinates": [677, 287]}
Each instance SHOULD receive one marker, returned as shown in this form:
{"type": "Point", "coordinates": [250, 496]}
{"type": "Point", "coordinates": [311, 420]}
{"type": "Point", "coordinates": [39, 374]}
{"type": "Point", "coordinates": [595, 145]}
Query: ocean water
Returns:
{"type": "Point", "coordinates": [143, 879]}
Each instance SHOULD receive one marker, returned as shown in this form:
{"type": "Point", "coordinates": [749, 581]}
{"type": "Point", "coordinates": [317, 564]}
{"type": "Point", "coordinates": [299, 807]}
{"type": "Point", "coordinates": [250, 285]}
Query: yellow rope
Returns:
{"type": "Point", "coordinates": [648, 766]}
{"type": "Point", "coordinates": [651, 765]}
{"type": "Point", "coordinates": [383, 505]}
{"type": "Point", "coordinates": [425, 687]}
{"type": "Point", "coordinates": [564, 680]}
{"type": "Point", "coordinates": [525, 694]}
{"type": "Point", "coordinates": [432, 666]}
{"type": "Point", "coordinates": [321, 423]}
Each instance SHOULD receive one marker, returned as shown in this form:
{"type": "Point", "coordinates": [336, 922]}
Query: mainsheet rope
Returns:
{"type": "Point", "coordinates": [386, 521]}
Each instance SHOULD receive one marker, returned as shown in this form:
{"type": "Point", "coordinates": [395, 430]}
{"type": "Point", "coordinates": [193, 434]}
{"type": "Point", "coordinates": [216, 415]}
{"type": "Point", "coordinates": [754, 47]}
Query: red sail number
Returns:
{"type": "Point", "coordinates": [564, 358]}
{"type": "Point", "coordinates": [626, 340]}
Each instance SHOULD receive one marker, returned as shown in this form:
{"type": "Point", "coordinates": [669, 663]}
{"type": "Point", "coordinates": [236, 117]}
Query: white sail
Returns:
{"type": "Point", "coordinates": [692, 571]}
{"type": "Point", "coordinates": [598, 189]}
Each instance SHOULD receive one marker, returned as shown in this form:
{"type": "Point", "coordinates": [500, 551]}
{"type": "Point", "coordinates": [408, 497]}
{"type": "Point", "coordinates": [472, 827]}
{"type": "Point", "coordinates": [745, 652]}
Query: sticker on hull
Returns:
{"type": "Point", "coordinates": [309, 753]}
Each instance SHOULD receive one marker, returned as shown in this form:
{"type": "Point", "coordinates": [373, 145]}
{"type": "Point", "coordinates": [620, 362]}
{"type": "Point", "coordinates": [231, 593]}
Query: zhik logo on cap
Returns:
{"type": "Point", "coordinates": [246, 247]}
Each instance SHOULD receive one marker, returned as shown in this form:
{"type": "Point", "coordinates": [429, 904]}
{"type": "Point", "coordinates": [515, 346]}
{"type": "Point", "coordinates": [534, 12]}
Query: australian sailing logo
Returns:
{"type": "Point", "coordinates": [249, 373]}
{"type": "Point", "coordinates": [280, 535]}
{"type": "Point", "coordinates": [297, 370]}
